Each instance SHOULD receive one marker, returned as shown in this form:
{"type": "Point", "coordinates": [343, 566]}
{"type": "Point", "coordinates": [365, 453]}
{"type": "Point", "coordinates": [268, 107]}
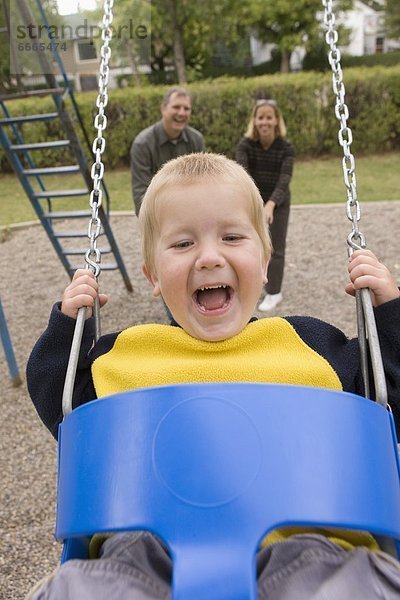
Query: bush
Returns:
{"type": "Point", "coordinates": [221, 109]}
{"type": "Point", "coordinates": [387, 59]}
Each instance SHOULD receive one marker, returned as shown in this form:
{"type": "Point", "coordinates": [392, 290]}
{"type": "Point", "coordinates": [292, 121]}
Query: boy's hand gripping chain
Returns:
{"type": "Point", "coordinates": [93, 255]}
{"type": "Point", "coordinates": [367, 332]}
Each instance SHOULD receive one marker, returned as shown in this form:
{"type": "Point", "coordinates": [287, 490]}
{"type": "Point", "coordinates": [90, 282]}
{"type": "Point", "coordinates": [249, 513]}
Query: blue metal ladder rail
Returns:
{"type": "Point", "coordinates": [8, 349]}
{"type": "Point", "coordinates": [34, 179]}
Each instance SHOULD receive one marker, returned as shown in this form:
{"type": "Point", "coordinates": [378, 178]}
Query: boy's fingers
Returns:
{"type": "Point", "coordinates": [363, 259]}
{"type": "Point", "coordinates": [82, 291]}
{"type": "Point", "coordinates": [83, 273]}
{"type": "Point", "coordinates": [363, 252]}
{"type": "Point", "coordinates": [103, 299]}
{"type": "Point", "coordinates": [349, 289]}
{"type": "Point", "coordinates": [366, 270]}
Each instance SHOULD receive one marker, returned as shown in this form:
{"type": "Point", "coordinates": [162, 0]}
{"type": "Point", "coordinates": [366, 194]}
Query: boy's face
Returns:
{"type": "Point", "coordinates": [209, 260]}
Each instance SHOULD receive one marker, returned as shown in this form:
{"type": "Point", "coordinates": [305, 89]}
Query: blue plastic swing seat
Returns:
{"type": "Point", "coordinates": [211, 468]}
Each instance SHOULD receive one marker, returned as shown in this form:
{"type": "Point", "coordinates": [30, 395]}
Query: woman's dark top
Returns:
{"type": "Point", "coordinates": [271, 169]}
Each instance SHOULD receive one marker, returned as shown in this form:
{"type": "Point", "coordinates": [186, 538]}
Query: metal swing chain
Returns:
{"type": "Point", "coordinates": [99, 143]}
{"type": "Point", "coordinates": [356, 240]}
{"type": "Point", "coordinates": [93, 254]}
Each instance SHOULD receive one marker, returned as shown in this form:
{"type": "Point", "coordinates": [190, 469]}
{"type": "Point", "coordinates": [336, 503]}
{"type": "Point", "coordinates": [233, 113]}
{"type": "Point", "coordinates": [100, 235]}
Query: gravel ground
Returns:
{"type": "Point", "coordinates": [32, 278]}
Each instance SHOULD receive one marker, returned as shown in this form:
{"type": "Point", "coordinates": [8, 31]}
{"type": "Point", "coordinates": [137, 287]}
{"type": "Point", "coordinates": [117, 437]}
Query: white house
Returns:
{"type": "Point", "coordinates": [366, 23]}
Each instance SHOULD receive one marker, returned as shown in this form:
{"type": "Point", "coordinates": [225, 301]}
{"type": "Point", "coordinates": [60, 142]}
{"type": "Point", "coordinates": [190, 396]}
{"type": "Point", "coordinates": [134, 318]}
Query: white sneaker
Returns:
{"type": "Point", "coordinates": [270, 302]}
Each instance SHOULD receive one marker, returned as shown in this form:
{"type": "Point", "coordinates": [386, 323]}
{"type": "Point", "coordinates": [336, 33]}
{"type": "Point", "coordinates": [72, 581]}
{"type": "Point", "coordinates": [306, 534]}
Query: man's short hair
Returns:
{"type": "Point", "coordinates": [191, 169]}
{"type": "Point", "coordinates": [180, 91]}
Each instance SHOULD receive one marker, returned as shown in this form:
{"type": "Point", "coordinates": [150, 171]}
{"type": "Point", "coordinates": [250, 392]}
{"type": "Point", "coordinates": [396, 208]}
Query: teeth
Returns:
{"type": "Point", "coordinates": [212, 287]}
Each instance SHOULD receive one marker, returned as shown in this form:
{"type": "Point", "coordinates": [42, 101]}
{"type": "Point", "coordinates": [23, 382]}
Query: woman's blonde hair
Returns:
{"type": "Point", "coordinates": [187, 170]}
{"type": "Point", "coordinates": [251, 131]}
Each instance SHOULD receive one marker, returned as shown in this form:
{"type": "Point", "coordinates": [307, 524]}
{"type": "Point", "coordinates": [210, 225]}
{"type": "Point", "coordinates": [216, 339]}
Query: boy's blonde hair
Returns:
{"type": "Point", "coordinates": [190, 169]}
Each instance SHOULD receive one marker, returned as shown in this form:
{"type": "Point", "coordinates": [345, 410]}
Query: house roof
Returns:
{"type": "Point", "coordinates": [377, 5]}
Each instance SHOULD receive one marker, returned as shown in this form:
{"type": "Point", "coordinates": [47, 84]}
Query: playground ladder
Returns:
{"type": "Point", "coordinates": [63, 226]}
{"type": "Point", "coordinates": [8, 349]}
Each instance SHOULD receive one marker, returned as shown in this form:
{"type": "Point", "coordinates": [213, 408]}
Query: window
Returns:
{"type": "Point", "coordinates": [88, 82]}
{"type": "Point", "coordinates": [87, 51]}
{"type": "Point", "coordinates": [379, 43]}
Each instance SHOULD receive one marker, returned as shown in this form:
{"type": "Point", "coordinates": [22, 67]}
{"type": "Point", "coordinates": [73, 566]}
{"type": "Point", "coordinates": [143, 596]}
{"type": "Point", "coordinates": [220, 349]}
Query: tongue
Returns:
{"type": "Point", "coordinates": [212, 299]}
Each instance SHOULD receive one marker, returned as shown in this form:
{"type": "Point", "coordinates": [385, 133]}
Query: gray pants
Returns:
{"type": "Point", "coordinates": [135, 566]}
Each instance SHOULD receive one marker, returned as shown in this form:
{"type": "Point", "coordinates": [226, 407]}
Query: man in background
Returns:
{"type": "Point", "coordinates": [168, 138]}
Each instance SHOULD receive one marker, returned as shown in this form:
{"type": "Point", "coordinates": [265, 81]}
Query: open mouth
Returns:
{"type": "Point", "coordinates": [213, 298]}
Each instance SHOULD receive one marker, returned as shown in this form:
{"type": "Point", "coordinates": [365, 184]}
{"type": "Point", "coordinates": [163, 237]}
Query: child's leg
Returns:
{"type": "Point", "coordinates": [136, 566]}
{"type": "Point", "coordinates": [131, 566]}
{"type": "Point", "coordinates": [310, 566]}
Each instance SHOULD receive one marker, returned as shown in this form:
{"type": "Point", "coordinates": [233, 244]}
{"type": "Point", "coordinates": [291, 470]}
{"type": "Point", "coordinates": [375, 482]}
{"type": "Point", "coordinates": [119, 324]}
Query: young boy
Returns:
{"type": "Point", "coordinates": [205, 251]}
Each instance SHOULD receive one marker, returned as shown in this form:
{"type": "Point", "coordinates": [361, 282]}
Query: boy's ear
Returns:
{"type": "Point", "coordinates": [152, 278]}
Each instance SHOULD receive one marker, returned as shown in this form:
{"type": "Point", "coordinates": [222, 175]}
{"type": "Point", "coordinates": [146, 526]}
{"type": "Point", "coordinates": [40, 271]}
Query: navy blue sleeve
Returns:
{"type": "Point", "coordinates": [47, 366]}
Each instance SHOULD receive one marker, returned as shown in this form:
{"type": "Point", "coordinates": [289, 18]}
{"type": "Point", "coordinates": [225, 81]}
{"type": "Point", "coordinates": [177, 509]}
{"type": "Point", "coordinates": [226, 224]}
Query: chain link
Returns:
{"type": "Point", "coordinates": [356, 239]}
{"type": "Point", "coordinates": [93, 255]}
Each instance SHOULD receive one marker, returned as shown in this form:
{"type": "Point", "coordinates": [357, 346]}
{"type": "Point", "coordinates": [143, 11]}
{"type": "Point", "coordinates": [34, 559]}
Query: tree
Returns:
{"type": "Point", "coordinates": [392, 20]}
{"type": "Point", "coordinates": [177, 34]}
{"type": "Point", "coordinates": [200, 27]}
{"type": "Point", "coordinates": [131, 27]}
{"type": "Point", "coordinates": [289, 24]}
{"type": "Point", "coordinates": [17, 17]}
{"type": "Point", "coordinates": [184, 34]}
{"type": "Point", "coordinates": [190, 36]}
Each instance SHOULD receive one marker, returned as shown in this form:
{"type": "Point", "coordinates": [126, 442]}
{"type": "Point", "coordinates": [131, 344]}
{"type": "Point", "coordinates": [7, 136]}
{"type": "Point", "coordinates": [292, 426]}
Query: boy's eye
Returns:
{"type": "Point", "coordinates": [232, 238]}
{"type": "Point", "coordinates": [183, 244]}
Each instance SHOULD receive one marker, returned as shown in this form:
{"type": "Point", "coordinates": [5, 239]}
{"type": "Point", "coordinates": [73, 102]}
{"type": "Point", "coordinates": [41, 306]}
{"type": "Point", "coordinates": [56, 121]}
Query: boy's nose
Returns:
{"type": "Point", "coordinates": [210, 258]}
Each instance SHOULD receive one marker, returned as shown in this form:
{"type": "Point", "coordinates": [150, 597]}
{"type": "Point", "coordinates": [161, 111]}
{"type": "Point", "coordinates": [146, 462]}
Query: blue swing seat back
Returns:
{"type": "Point", "coordinates": [211, 468]}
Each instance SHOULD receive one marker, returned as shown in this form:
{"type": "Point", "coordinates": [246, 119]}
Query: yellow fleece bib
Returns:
{"type": "Point", "coordinates": [266, 351]}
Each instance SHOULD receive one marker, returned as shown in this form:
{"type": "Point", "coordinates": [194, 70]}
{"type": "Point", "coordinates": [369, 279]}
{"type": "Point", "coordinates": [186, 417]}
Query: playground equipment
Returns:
{"type": "Point", "coordinates": [37, 181]}
{"type": "Point", "coordinates": [8, 349]}
{"type": "Point", "coordinates": [212, 468]}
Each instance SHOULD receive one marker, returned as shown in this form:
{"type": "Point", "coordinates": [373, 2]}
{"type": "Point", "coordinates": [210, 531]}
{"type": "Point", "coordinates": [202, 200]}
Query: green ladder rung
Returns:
{"type": "Point", "coordinates": [52, 170]}
{"type": "Point", "coordinates": [29, 118]}
{"type": "Point", "coordinates": [41, 145]}
{"type": "Point", "coordinates": [60, 193]}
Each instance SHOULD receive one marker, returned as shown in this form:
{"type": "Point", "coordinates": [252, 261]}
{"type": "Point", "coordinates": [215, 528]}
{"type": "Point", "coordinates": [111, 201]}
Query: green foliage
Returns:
{"type": "Point", "coordinates": [392, 8]}
{"type": "Point", "coordinates": [389, 59]}
{"type": "Point", "coordinates": [215, 34]}
{"type": "Point", "coordinates": [221, 110]}
{"type": "Point", "coordinates": [290, 24]}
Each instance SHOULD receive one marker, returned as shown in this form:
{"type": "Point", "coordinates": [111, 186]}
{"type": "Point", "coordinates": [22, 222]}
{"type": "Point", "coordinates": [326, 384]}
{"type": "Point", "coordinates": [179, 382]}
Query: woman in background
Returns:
{"type": "Point", "coordinates": [268, 157]}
